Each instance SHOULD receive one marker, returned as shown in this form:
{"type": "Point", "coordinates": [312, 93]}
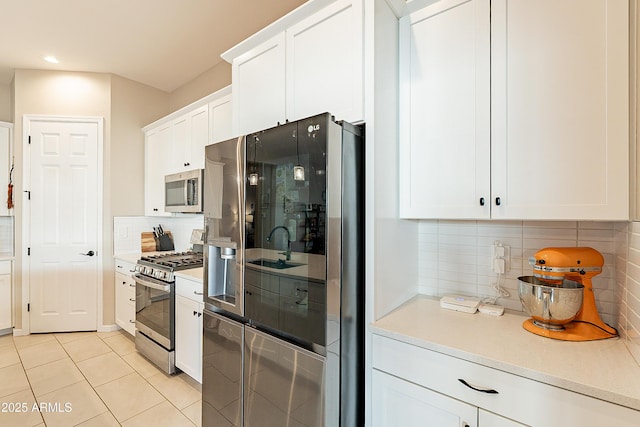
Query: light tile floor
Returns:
{"type": "Point", "coordinates": [90, 379]}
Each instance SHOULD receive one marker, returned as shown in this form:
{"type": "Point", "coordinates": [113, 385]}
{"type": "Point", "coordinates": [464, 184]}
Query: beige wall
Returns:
{"type": "Point", "coordinates": [125, 106]}
{"type": "Point", "coordinates": [133, 106]}
{"type": "Point", "coordinates": [5, 103]}
{"type": "Point", "coordinates": [206, 83]}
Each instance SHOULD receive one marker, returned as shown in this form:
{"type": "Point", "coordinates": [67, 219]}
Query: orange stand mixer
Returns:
{"type": "Point", "coordinates": [559, 296]}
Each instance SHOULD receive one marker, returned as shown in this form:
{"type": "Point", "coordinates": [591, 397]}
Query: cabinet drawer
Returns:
{"type": "Point", "coordinates": [125, 267]}
{"type": "Point", "coordinates": [5, 267]}
{"type": "Point", "coordinates": [189, 289]}
{"type": "Point", "coordinates": [518, 398]}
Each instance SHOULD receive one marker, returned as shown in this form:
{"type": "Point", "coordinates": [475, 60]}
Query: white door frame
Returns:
{"type": "Point", "coordinates": [27, 119]}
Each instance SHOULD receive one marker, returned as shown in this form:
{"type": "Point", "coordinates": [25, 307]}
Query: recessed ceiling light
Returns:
{"type": "Point", "coordinates": [52, 59]}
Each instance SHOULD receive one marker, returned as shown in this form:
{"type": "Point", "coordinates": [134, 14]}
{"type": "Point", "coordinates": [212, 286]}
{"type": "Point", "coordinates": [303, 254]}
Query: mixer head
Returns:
{"type": "Point", "coordinates": [556, 264]}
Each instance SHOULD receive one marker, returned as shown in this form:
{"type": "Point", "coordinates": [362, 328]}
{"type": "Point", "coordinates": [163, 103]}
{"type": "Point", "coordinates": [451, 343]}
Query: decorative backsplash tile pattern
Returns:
{"type": "Point", "coordinates": [456, 256]}
{"type": "Point", "coordinates": [127, 229]}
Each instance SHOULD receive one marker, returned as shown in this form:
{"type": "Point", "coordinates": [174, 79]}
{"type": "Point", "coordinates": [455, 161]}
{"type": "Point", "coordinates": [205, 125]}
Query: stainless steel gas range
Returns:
{"type": "Point", "coordinates": [155, 304]}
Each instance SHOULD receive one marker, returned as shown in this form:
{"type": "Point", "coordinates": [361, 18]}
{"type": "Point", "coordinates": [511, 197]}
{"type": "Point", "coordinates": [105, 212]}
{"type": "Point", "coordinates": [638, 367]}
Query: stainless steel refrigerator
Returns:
{"type": "Point", "coordinates": [284, 277]}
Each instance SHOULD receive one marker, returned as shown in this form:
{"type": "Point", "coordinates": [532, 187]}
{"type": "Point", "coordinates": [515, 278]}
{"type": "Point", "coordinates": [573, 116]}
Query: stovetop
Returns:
{"type": "Point", "coordinates": [173, 261]}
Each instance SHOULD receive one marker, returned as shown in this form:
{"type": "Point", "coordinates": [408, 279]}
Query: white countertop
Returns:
{"type": "Point", "coordinates": [191, 273]}
{"type": "Point", "coordinates": [602, 369]}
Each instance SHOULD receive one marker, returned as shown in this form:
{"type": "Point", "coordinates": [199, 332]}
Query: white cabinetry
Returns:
{"type": "Point", "coordinates": [157, 160]}
{"type": "Point", "coordinates": [125, 296]}
{"type": "Point", "coordinates": [175, 143]}
{"type": "Point", "coordinates": [220, 120]}
{"type": "Point", "coordinates": [312, 66]}
{"type": "Point", "coordinates": [189, 307]}
{"type": "Point", "coordinates": [190, 133]}
{"type": "Point", "coordinates": [5, 295]}
{"type": "Point", "coordinates": [427, 380]}
{"type": "Point", "coordinates": [559, 138]}
{"type": "Point", "coordinates": [6, 144]}
{"type": "Point", "coordinates": [259, 86]}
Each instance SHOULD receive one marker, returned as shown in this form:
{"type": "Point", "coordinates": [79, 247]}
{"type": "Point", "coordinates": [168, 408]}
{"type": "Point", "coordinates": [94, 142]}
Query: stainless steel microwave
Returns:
{"type": "Point", "coordinates": [183, 191]}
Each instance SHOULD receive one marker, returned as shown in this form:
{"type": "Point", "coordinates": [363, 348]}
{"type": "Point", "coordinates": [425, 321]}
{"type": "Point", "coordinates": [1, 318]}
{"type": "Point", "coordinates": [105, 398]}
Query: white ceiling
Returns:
{"type": "Point", "coordinates": [161, 43]}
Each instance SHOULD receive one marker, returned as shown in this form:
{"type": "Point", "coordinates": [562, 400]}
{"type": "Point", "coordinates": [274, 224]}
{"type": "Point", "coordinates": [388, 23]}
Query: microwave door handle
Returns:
{"type": "Point", "coordinates": [186, 192]}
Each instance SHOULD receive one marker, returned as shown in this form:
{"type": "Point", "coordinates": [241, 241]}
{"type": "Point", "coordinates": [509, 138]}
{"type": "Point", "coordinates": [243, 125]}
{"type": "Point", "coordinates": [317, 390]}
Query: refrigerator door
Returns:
{"type": "Point", "coordinates": [283, 384]}
{"type": "Point", "coordinates": [286, 231]}
{"type": "Point", "coordinates": [224, 225]}
{"type": "Point", "coordinates": [221, 371]}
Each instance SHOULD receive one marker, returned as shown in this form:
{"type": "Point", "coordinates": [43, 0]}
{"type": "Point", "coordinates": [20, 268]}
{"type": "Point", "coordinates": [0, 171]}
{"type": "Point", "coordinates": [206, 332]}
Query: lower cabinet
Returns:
{"type": "Point", "coordinates": [5, 295]}
{"type": "Point", "coordinates": [412, 386]}
{"type": "Point", "coordinates": [125, 297]}
{"type": "Point", "coordinates": [189, 308]}
{"type": "Point", "coordinates": [402, 403]}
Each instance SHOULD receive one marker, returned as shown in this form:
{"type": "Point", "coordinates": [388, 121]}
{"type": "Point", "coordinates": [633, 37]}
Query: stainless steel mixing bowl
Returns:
{"type": "Point", "coordinates": [550, 306]}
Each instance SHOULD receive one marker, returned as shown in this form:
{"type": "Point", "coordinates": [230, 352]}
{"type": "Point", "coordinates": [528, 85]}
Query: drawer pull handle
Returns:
{"type": "Point", "coordinates": [132, 299]}
{"type": "Point", "coordinates": [489, 391]}
{"type": "Point", "coordinates": [198, 293]}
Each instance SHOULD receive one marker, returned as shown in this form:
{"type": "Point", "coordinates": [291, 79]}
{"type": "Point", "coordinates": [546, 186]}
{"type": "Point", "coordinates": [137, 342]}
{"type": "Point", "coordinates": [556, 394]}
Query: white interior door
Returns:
{"type": "Point", "coordinates": [64, 225]}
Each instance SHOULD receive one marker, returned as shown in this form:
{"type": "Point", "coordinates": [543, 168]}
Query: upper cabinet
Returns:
{"type": "Point", "coordinates": [176, 143]}
{"type": "Point", "coordinates": [190, 135]}
{"type": "Point", "coordinates": [259, 86]}
{"type": "Point", "coordinates": [541, 131]}
{"type": "Point", "coordinates": [445, 135]}
{"type": "Point", "coordinates": [311, 65]}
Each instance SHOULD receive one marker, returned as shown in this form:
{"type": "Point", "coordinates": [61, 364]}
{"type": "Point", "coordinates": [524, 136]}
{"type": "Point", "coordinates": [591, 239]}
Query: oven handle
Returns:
{"type": "Point", "coordinates": [152, 285]}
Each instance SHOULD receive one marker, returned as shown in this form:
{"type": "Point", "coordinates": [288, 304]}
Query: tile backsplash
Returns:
{"type": "Point", "coordinates": [6, 236]}
{"type": "Point", "coordinates": [127, 229]}
{"type": "Point", "coordinates": [455, 258]}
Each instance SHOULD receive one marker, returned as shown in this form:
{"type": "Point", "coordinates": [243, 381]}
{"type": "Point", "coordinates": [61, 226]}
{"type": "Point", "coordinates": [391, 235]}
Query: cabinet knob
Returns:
{"type": "Point", "coordinates": [498, 201]}
{"type": "Point", "coordinates": [198, 293]}
{"type": "Point", "coordinates": [481, 201]}
{"type": "Point", "coordinates": [124, 283]}
{"type": "Point", "coordinates": [155, 209]}
{"type": "Point", "coordinates": [195, 312]}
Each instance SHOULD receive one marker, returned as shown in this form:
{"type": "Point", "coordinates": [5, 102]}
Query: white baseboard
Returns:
{"type": "Point", "coordinates": [108, 328]}
{"type": "Point", "coordinates": [19, 332]}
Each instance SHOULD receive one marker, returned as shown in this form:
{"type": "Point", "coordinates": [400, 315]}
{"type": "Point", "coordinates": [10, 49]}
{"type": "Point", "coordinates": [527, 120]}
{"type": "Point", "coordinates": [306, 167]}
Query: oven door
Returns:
{"type": "Point", "coordinates": [155, 310]}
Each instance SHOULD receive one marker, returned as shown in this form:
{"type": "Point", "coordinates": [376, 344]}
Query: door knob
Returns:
{"type": "Point", "coordinates": [90, 253]}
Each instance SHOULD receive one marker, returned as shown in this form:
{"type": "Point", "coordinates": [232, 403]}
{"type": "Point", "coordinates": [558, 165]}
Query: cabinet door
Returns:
{"type": "Point", "coordinates": [189, 135]}
{"type": "Point", "coordinates": [179, 144]}
{"type": "Point", "coordinates": [445, 111]}
{"type": "Point", "coordinates": [198, 137]}
{"type": "Point", "coordinates": [325, 63]}
{"type": "Point", "coordinates": [401, 403]}
{"type": "Point", "coordinates": [189, 337]}
{"type": "Point", "coordinates": [220, 120]}
{"type": "Point", "coordinates": [560, 134]}
{"type": "Point", "coordinates": [157, 160]}
{"type": "Point", "coordinates": [259, 86]}
{"type": "Point", "coordinates": [5, 295]}
{"type": "Point", "coordinates": [489, 419]}
{"type": "Point", "coordinates": [5, 164]}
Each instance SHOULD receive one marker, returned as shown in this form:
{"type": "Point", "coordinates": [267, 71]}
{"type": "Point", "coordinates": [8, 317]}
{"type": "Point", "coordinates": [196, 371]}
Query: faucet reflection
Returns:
{"type": "Point", "coordinates": [287, 253]}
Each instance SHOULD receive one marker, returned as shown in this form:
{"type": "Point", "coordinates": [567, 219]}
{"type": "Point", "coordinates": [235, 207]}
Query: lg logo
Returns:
{"type": "Point", "coordinates": [313, 128]}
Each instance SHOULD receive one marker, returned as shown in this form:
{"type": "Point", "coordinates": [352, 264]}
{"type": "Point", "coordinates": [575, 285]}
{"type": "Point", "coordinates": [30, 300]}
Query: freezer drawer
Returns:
{"type": "Point", "coordinates": [283, 384]}
{"type": "Point", "coordinates": [221, 371]}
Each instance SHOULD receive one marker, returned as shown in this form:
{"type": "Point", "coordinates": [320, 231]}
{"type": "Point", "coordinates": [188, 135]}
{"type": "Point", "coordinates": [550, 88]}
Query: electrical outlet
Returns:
{"type": "Point", "coordinates": [501, 260]}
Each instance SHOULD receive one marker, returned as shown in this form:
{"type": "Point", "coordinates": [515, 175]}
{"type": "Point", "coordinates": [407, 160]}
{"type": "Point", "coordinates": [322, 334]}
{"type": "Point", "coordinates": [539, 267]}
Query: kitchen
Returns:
{"type": "Point", "coordinates": [428, 267]}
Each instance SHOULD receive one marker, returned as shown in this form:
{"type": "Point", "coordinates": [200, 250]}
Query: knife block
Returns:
{"type": "Point", "coordinates": [149, 243]}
